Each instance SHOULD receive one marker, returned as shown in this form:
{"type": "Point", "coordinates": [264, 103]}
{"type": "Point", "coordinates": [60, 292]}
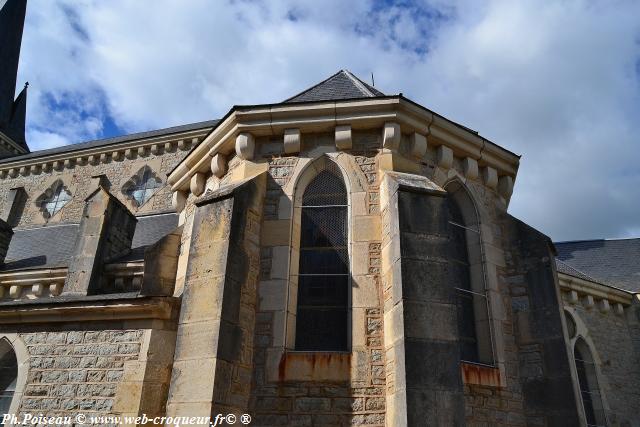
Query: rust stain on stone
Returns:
{"type": "Point", "coordinates": [314, 366]}
{"type": "Point", "coordinates": [480, 375]}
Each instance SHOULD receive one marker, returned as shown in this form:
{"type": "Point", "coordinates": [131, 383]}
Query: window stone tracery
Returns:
{"type": "Point", "coordinates": [142, 186]}
{"type": "Point", "coordinates": [54, 199]}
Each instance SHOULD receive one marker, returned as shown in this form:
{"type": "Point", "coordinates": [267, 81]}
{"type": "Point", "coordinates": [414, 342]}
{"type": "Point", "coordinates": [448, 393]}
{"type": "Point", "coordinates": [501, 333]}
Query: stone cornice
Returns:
{"type": "Point", "coordinates": [267, 120]}
{"type": "Point", "coordinates": [116, 151]}
{"type": "Point", "coordinates": [570, 283]}
{"type": "Point", "coordinates": [90, 309]}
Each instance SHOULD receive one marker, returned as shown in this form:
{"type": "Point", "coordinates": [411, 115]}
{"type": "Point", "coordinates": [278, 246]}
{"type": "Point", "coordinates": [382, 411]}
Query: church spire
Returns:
{"type": "Point", "coordinates": [12, 14]}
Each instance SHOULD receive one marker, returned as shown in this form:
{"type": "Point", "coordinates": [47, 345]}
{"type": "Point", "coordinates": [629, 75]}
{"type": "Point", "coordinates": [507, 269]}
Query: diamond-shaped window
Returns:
{"type": "Point", "coordinates": [142, 186]}
{"type": "Point", "coordinates": [53, 199]}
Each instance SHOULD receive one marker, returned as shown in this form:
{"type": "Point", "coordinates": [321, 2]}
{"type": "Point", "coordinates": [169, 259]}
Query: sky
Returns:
{"type": "Point", "coordinates": [557, 82]}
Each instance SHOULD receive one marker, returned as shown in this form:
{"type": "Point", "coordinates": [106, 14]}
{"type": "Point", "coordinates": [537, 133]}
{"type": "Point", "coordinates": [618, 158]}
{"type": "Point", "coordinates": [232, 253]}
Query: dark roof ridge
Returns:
{"type": "Point", "coordinates": [95, 143]}
{"type": "Point", "coordinates": [612, 239]}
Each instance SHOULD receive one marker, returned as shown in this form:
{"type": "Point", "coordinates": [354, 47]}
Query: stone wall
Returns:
{"type": "Point", "coordinates": [78, 180]}
{"type": "Point", "coordinates": [73, 372]}
{"type": "Point", "coordinates": [617, 356]}
{"type": "Point", "coordinates": [291, 388]}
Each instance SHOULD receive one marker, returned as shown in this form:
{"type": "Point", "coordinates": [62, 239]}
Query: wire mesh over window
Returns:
{"type": "Point", "coordinates": [323, 277]}
{"type": "Point", "coordinates": [473, 314]}
{"type": "Point", "coordinates": [8, 375]}
{"type": "Point", "coordinates": [588, 382]}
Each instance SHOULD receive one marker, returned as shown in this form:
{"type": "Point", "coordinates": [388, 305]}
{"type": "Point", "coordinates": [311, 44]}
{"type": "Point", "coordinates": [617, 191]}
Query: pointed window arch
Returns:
{"type": "Point", "coordinates": [468, 279]}
{"type": "Point", "coordinates": [588, 383]}
{"type": "Point", "coordinates": [323, 274]}
{"type": "Point", "coordinates": [8, 375]}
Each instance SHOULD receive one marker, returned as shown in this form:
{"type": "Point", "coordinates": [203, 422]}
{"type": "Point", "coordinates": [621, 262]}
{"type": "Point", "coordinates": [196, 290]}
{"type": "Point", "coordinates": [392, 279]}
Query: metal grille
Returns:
{"type": "Point", "coordinates": [323, 282]}
{"type": "Point", "coordinates": [326, 189]}
{"type": "Point", "coordinates": [589, 390]}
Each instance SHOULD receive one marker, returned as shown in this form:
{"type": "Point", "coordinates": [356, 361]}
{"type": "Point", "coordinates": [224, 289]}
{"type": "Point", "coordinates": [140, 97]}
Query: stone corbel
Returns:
{"type": "Point", "coordinates": [391, 135]}
{"type": "Point", "coordinates": [588, 302]}
{"type": "Point", "coordinates": [505, 186]}
{"type": "Point", "coordinates": [178, 200]}
{"type": "Point", "coordinates": [619, 309]}
{"type": "Point", "coordinates": [444, 157]}
{"type": "Point", "coordinates": [219, 165]}
{"type": "Point", "coordinates": [58, 165]}
{"type": "Point", "coordinates": [198, 181]}
{"type": "Point", "coordinates": [94, 159]}
{"type": "Point", "coordinates": [156, 149]}
{"type": "Point", "coordinates": [470, 168]}
{"type": "Point", "coordinates": [490, 177]}
{"type": "Point", "coordinates": [245, 146]}
{"type": "Point", "coordinates": [343, 137]}
{"type": "Point", "coordinates": [168, 147]}
{"type": "Point", "coordinates": [81, 161]}
{"type": "Point", "coordinates": [604, 306]}
{"type": "Point", "coordinates": [183, 145]}
{"type": "Point", "coordinates": [23, 171]}
{"type": "Point", "coordinates": [130, 153]}
{"type": "Point", "coordinates": [418, 145]}
{"type": "Point", "coordinates": [292, 141]}
{"type": "Point", "coordinates": [104, 158]}
{"type": "Point", "coordinates": [69, 163]}
{"type": "Point", "coordinates": [3, 173]}
{"type": "Point", "coordinates": [142, 151]}
{"type": "Point", "coordinates": [117, 156]}
{"type": "Point", "coordinates": [573, 297]}
{"type": "Point", "coordinates": [13, 172]}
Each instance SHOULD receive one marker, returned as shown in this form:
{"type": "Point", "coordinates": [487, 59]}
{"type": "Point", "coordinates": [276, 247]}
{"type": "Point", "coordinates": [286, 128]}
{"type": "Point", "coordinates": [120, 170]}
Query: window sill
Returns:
{"type": "Point", "coordinates": [330, 366]}
{"type": "Point", "coordinates": [479, 374]}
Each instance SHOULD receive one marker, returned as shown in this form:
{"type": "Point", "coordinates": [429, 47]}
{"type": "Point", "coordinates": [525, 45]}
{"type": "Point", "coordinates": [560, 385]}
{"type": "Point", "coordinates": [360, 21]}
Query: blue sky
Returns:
{"type": "Point", "coordinates": [557, 82]}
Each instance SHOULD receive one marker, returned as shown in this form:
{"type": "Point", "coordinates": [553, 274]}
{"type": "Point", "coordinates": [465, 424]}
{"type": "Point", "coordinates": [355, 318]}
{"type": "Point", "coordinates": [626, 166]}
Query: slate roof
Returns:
{"type": "Point", "coordinates": [51, 246]}
{"type": "Point", "coordinates": [611, 262]}
{"type": "Point", "coordinates": [342, 85]}
{"type": "Point", "coordinates": [114, 140]}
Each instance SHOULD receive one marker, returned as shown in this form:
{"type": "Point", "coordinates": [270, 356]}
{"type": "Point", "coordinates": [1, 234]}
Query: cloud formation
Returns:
{"type": "Point", "coordinates": [557, 82]}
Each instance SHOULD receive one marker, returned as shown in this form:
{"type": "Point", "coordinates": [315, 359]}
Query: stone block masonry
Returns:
{"type": "Point", "coordinates": [73, 372]}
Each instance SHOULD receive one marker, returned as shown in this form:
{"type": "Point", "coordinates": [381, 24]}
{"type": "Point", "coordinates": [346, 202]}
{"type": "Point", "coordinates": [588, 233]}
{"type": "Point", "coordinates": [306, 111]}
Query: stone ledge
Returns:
{"type": "Point", "coordinates": [89, 308]}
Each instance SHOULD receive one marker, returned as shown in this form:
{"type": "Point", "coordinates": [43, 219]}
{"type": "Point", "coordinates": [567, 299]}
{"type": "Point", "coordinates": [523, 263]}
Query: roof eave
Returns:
{"type": "Point", "coordinates": [316, 116]}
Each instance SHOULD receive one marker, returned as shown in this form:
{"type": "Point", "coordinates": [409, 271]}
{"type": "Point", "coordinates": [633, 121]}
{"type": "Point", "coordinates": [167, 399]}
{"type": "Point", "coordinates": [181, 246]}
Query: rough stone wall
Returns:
{"type": "Point", "coordinates": [613, 338]}
{"type": "Point", "coordinates": [214, 348]}
{"type": "Point", "coordinates": [78, 181]}
{"type": "Point", "coordinates": [544, 371]}
{"type": "Point", "coordinates": [344, 389]}
{"type": "Point", "coordinates": [73, 372]}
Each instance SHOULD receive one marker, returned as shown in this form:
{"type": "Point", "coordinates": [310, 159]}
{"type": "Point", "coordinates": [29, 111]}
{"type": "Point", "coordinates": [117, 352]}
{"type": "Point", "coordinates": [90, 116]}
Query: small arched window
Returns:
{"type": "Point", "coordinates": [467, 274]}
{"type": "Point", "coordinates": [8, 375]}
{"type": "Point", "coordinates": [323, 274]}
{"type": "Point", "coordinates": [588, 383]}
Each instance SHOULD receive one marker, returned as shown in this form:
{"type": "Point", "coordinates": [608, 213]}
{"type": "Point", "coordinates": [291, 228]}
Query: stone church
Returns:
{"type": "Point", "coordinates": [343, 257]}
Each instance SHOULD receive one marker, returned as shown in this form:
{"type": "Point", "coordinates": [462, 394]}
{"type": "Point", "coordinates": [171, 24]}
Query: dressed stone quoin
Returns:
{"type": "Point", "coordinates": [343, 257]}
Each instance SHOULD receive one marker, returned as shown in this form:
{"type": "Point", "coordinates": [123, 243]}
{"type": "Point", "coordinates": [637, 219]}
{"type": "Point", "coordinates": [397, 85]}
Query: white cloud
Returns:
{"type": "Point", "coordinates": [554, 81]}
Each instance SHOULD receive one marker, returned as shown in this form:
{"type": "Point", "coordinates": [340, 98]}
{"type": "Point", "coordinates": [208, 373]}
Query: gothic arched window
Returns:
{"type": "Point", "coordinates": [467, 275]}
{"type": "Point", "coordinates": [53, 199]}
{"type": "Point", "coordinates": [323, 274]}
{"type": "Point", "coordinates": [141, 186]}
{"type": "Point", "coordinates": [588, 383]}
{"type": "Point", "coordinates": [8, 375]}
